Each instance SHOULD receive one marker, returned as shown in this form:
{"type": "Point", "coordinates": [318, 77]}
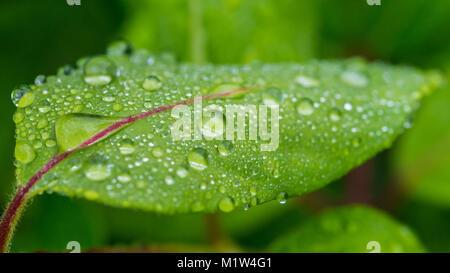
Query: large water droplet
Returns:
{"type": "Point", "coordinates": [26, 100]}
{"type": "Point", "coordinates": [152, 83]}
{"type": "Point", "coordinates": [24, 152]}
{"type": "Point", "coordinates": [119, 48]}
{"type": "Point", "coordinates": [96, 169]}
{"type": "Point", "coordinates": [73, 129]}
{"type": "Point", "coordinates": [305, 107]}
{"type": "Point", "coordinates": [197, 159]}
{"type": "Point", "coordinates": [226, 204]}
{"type": "Point", "coordinates": [99, 71]}
{"type": "Point", "coordinates": [18, 93]}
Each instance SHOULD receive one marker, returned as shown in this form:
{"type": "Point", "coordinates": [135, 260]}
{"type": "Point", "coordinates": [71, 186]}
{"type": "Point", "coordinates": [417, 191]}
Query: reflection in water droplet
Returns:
{"type": "Point", "coordinates": [152, 83]}
{"type": "Point", "coordinates": [24, 152]}
{"type": "Point", "coordinates": [99, 71]}
{"type": "Point", "coordinates": [197, 159]}
{"type": "Point", "coordinates": [305, 107]}
{"type": "Point", "coordinates": [226, 204]}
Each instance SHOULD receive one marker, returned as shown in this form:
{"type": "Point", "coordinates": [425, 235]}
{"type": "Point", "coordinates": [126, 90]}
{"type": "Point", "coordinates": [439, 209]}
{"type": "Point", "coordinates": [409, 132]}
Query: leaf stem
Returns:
{"type": "Point", "coordinates": [11, 215]}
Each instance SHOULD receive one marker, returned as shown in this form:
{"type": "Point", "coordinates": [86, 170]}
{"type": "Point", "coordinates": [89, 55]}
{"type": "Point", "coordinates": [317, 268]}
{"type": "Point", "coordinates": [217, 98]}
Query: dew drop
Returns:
{"type": "Point", "coordinates": [226, 204]}
{"type": "Point", "coordinates": [24, 152]}
{"type": "Point", "coordinates": [152, 83]}
{"type": "Point", "coordinates": [123, 177]}
{"type": "Point", "coordinates": [182, 172]}
{"type": "Point", "coordinates": [281, 197]}
{"type": "Point", "coordinates": [157, 152]}
{"type": "Point", "coordinates": [197, 159]}
{"type": "Point", "coordinates": [307, 82]}
{"type": "Point", "coordinates": [42, 123]}
{"type": "Point", "coordinates": [26, 100]}
{"type": "Point", "coordinates": [99, 71]}
{"type": "Point", "coordinates": [96, 171]}
{"type": "Point", "coordinates": [197, 206]}
{"type": "Point", "coordinates": [17, 94]}
{"type": "Point", "coordinates": [305, 107]}
{"type": "Point", "coordinates": [73, 129]}
{"type": "Point", "coordinates": [18, 117]}
{"type": "Point", "coordinates": [41, 79]}
{"type": "Point", "coordinates": [50, 143]}
{"type": "Point", "coordinates": [348, 106]}
{"type": "Point", "coordinates": [225, 148]}
{"type": "Point", "coordinates": [354, 78]}
{"type": "Point", "coordinates": [213, 127]}
{"type": "Point", "coordinates": [127, 147]}
{"type": "Point", "coordinates": [119, 48]}
{"type": "Point", "coordinates": [169, 180]}
{"type": "Point", "coordinates": [335, 114]}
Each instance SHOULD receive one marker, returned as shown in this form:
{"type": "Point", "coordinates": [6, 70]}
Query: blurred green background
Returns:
{"type": "Point", "coordinates": [411, 181]}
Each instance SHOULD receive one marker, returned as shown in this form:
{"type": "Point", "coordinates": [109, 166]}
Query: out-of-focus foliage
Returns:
{"type": "Point", "coordinates": [422, 156]}
{"type": "Point", "coordinates": [349, 229]}
{"type": "Point", "coordinates": [225, 31]}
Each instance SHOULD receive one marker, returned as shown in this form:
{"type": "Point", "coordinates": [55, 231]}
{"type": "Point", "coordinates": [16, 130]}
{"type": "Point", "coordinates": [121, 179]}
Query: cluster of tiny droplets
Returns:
{"type": "Point", "coordinates": [333, 116]}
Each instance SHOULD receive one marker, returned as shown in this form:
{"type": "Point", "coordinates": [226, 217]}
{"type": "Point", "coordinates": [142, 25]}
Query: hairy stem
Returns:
{"type": "Point", "coordinates": [11, 215]}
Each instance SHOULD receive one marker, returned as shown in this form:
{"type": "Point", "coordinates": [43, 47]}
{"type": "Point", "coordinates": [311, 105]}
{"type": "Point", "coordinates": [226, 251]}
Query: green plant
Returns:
{"type": "Point", "coordinates": [101, 131]}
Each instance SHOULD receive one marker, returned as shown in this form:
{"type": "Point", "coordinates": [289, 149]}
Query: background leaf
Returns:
{"type": "Point", "coordinates": [224, 31]}
{"type": "Point", "coordinates": [349, 229]}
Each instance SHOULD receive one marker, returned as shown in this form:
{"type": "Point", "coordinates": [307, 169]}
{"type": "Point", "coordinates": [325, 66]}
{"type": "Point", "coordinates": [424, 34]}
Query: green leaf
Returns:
{"type": "Point", "coordinates": [333, 116]}
{"type": "Point", "coordinates": [354, 229]}
{"type": "Point", "coordinates": [421, 157]}
{"type": "Point", "coordinates": [222, 31]}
